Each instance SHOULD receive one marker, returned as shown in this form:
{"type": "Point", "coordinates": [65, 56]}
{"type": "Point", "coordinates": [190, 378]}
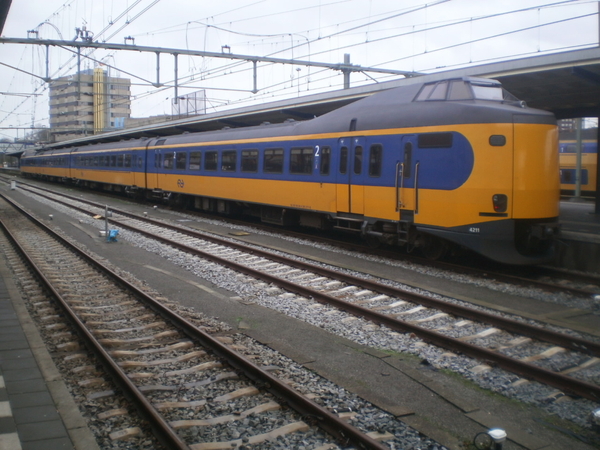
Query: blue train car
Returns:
{"type": "Point", "coordinates": [449, 164]}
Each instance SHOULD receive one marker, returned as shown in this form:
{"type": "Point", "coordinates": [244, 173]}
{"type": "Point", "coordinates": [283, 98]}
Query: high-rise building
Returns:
{"type": "Point", "coordinates": [88, 102]}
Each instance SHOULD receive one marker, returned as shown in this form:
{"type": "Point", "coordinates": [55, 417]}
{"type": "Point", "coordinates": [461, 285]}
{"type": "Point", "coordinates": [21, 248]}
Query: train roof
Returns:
{"type": "Point", "coordinates": [450, 101]}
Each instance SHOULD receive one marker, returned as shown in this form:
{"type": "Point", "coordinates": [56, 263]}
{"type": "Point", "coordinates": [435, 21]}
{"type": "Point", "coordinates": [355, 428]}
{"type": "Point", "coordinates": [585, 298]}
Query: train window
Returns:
{"type": "Point", "coordinates": [160, 142]}
{"type": "Point", "coordinates": [127, 161]}
{"type": "Point", "coordinates": [488, 91]}
{"type": "Point", "coordinates": [301, 160]}
{"type": "Point", "coordinates": [249, 160]}
{"type": "Point", "coordinates": [158, 160]}
{"type": "Point", "coordinates": [424, 93]}
{"type": "Point", "coordinates": [435, 140]}
{"type": "Point", "coordinates": [375, 159]}
{"type": "Point", "coordinates": [168, 160]}
{"type": "Point", "coordinates": [497, 140]}
{"type": "Point", "coordinates": [113, 160]}
{"type": "Point", "coordinates": [195, 159]}
{"type": "Point", "coordinates": [273, 160]}
{"type": "Point", "coordinates": [95, 161]}
{"type": "Point", "coordinates": [325, 160]}
{"type": "Point", "coordinates": [433, 91]}
{"type": "Point", "coordinates": [210, 160]}
{"type": "Point", "coordinates": [229, 161]}
{"type": "Point", "coordinates": [439, 91]}
{"type": "Point", "coordinates": [459, 90]}
{"type": "Point", "coordinates": [180, 160]}
{"type": "Point", "coordinates": [140, 162]}
{"type": "Point", "coordinates": [358, 159]}
{"type": "Point", "coordinates": [343, 160]}
{"type": "Point", "coordinates": [120, 161]}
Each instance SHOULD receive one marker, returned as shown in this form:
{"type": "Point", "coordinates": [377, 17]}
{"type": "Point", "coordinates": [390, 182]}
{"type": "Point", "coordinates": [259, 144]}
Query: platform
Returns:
{"type": "Point", "coordinates": [36, 410]}
{"type": "Point", "coordinates": [579, 244]}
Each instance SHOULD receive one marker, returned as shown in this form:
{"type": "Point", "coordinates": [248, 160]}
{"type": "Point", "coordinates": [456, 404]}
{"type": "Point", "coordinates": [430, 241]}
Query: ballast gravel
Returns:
{"type": "Point", "coordinates": [365, 333]}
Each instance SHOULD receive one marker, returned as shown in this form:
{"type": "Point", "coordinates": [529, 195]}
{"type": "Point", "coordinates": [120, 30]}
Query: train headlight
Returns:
{"type": "Point", "coordinates": [500, 202]}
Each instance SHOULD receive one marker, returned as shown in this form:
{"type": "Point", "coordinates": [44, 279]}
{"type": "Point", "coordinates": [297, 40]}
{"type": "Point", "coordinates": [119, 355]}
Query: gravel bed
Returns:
{"type": "Point", "coordinates": [365, 333]}
{"type": "Point", "coordinates": [102, 396]}
{"type": "Point", "coordinates": [362, 332]}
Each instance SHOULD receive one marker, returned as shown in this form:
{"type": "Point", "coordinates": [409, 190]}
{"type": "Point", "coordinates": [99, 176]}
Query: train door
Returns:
{"type": "Point", "coordinates": [407, 176]}
{"type": "Point", "coordinates": [138, 169]}
{"type": "Point", "coordinates": [153, 164]}
{"type": "Point", "coordinates": [350, 190]}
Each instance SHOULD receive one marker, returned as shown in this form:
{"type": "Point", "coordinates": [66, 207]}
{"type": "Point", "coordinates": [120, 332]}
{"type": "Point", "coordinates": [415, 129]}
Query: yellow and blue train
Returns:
{"type": "Point", "coordinates": [448, 164]}
{"type": "Point", "coordinates": [568, 166]}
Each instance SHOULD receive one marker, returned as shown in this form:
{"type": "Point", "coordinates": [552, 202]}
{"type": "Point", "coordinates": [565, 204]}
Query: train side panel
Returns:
{"type": "Point", "coordinates": [122, 169]}
{"type": "Point", "coordinates": [470, 200]}
{"type": "Point", "coordinates": [537, 190]}
{"type": "Point", "coordinates": [449, 162]}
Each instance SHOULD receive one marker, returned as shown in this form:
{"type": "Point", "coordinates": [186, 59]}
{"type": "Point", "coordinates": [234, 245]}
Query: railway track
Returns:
{"type": "Point", "coordinates": [548, 279]}
{"type": "Point", "coordinates": [178, 376]}
{"type": "Point", "coordinates": [562, 360]}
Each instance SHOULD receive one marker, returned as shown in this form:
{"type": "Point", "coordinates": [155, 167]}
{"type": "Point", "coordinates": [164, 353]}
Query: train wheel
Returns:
{"type": "Point", "coordinates": [433, 248]}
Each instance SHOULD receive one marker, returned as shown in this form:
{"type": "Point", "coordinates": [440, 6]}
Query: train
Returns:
{"type": "Point", "coordinates": [437, 166]}
{"type": "Point", "coordinates": [568, 166]}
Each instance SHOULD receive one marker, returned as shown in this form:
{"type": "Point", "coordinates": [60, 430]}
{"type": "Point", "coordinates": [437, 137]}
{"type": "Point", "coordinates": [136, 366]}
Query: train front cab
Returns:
{"type": "Point", "coordinates": [508, 207]}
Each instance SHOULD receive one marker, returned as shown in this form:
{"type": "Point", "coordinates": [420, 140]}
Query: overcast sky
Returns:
{"type": "Point", "coordinates": [408, 35]}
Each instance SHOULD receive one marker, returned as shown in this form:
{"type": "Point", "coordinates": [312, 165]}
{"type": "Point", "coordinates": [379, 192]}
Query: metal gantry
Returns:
{"type": "Point", "coordinates": [346, 68]}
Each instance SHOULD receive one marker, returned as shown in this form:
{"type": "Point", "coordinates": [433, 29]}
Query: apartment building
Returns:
{"type": "Point", "coordinates": [88, 102]}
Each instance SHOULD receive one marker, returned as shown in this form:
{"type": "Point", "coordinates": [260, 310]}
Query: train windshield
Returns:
{"type": "Point", "coordinates": [465, 90]}
{"type": "Point", "coordinates": [492, 92]}
{"type": "Point", "coordinates": [489, 92]}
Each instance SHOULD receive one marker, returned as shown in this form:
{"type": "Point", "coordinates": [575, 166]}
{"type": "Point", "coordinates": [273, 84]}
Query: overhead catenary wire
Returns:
{"type": "Point", "coordinates": [300, 47]}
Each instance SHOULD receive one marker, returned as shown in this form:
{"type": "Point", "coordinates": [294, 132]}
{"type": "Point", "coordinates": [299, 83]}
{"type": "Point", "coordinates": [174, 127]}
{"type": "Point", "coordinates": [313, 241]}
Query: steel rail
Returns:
{"type": "Point", "coordinates": [568, 384]}
{"type": "Point", "coordinates": [536, 332]}
{"type": "Point", "coordinates": [490, 274]}
{"type": "Point", "coordinates": [311, 411]}
{"type": "Point", "coordinates": [164, 433]}
{"type": "Point", "coordinates": [583, 389]}
{"type": "Point", "coordinates": [564, 340]}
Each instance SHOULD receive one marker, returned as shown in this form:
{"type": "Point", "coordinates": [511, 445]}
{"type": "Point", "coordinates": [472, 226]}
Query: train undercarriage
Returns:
{"type": "Point", "coordinates": [510, 241]}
